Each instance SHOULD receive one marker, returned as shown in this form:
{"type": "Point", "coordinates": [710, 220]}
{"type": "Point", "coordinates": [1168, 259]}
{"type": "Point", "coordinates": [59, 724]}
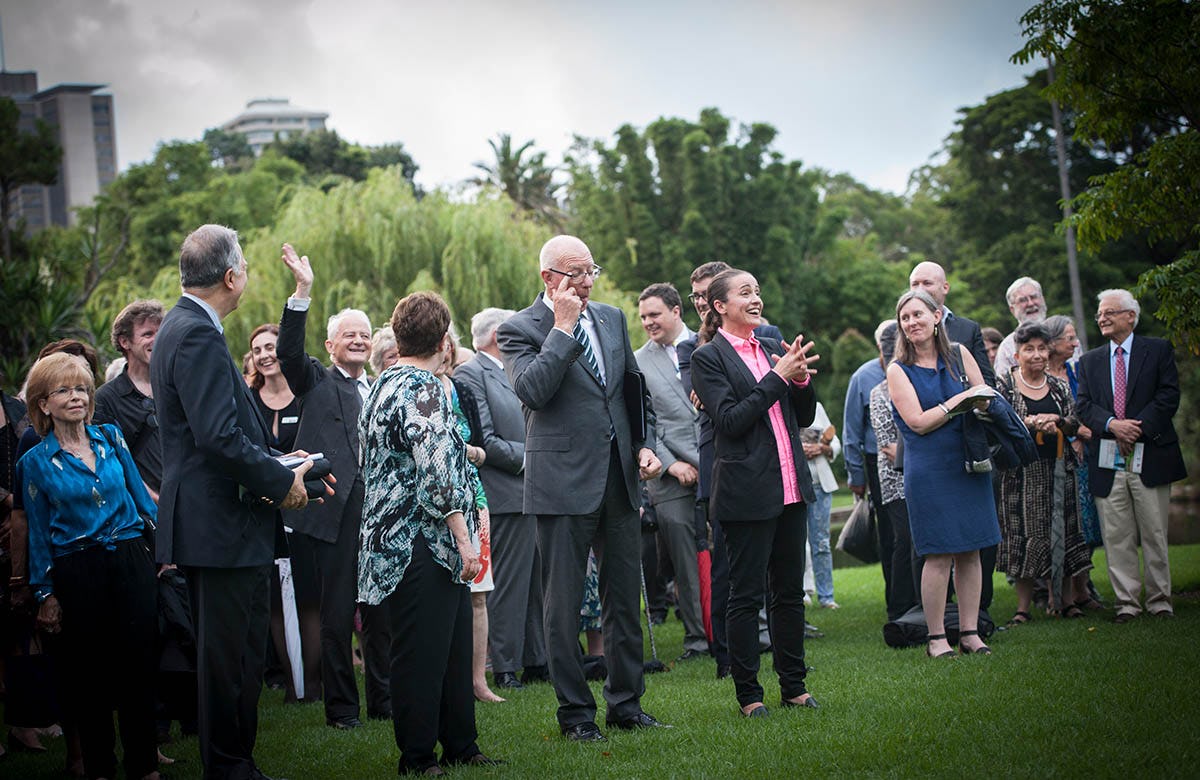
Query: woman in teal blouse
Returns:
{"type": "Point", "coordinates": [90, 565]}
{"type": "Point", "coordinates": [415, 551]}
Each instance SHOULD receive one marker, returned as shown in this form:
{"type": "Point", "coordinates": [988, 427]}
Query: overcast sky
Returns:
{"type": "Point", "coordinates": [869, 87]}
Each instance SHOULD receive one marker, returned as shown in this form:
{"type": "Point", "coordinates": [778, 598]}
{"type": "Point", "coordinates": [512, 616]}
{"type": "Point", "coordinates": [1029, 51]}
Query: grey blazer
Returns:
{"type": "Point", "coordinates": [569, 416]}
{"type": "Point", "coordinates": [502, 429]}
{"type": "Point", "coordinates": [677, 421]}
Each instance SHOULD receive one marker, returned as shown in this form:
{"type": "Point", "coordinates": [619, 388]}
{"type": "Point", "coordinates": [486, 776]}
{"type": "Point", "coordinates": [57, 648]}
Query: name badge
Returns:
{"type": "Point", "coordinates": [289, 420]}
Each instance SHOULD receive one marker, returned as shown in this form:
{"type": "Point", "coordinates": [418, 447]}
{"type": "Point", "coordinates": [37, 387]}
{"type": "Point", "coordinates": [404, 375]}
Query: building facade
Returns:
{"type": "Point", "coordinates": [268, 119]}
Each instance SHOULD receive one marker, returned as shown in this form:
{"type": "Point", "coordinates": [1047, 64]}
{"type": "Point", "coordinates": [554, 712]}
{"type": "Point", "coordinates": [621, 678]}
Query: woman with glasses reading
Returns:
{"type": "Point", "coordinates": [90, 566]}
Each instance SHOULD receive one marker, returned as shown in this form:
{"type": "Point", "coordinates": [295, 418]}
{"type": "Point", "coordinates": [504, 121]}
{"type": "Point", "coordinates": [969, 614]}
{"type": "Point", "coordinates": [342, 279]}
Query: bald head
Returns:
{"type": "Point", "coordinates": [931, 278]}
{"type": "Point", "coordinates": [566, 262]}
{"type": "Point", "coordinates": [562, 250]}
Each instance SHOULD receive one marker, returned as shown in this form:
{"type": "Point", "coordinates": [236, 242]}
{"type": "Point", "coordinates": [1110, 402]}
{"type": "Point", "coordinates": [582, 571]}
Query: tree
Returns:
{"type": "Point", "coordinates": [25, 158]}
{"type": "Point", "coordinates": [1129, 73]}
{"type": "Point", "coordinates": [527, 181]}
{"type": "Point", "coordinates": [229, 149]}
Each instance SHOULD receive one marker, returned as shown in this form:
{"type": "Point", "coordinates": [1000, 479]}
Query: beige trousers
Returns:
{"type": "Point", "coordinates": [1131, 513]}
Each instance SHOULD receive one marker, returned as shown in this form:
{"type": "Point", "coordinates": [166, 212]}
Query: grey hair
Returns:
{"type": "Point", "coordinates": [207, 253]}
{"type": "Point", "coordinates": [383, 339]}
{"type": "Point", "coordinates": [1056, 326]}
{"type": "Point", "coordinates": [1127, 301]}
{"type": "Point", "coordinates": [484, 324]}
{"type": "Point", "coordinates": [335, 322]}
{"type": "Point", "coordinates": [879, 331]}
{"type": "Point", "coordinates": [1024, 281]}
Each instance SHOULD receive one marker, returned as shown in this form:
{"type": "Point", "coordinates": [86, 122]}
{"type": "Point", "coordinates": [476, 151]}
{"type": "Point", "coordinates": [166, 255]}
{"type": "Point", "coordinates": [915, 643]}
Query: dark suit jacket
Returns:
{"type": "Point", "coordinates": [968, 333]}
{"type": "Point", "coordinates": [502, 431]}
{"type": "Point", "coordinates": [214, 445]}
{"type": "Point", "coordinates": [328, 424]}
{"type": "Point", "coordinates": [1151, 395]}
{"type": "Point", "coordinates": [746, 484]}
{"type": "Point", "coordinates": [569, 416]}
{"type": "Point", "coordinates": [684, 352]}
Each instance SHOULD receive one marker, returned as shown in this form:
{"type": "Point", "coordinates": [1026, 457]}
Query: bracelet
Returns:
{"type": "Point", "coordinates": [944, 408]}
{"type": "Point", "coordinates": [17, 581]}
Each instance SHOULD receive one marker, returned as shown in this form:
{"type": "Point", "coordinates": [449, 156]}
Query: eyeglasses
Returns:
{"type": "Point", "coordinates": [1108, 314]}
{"type": "Point", "coordinates": [697, 296]}
{"type": "Point", "coordinates": [63, 392]}
{"type": "Point", "coordinates": [1024, 299]}
{"type": "Point", "coordinates": [593, 272]}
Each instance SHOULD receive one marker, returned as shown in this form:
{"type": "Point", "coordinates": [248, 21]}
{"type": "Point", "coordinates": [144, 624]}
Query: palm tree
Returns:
{"type": "Point", "coordinates": [528, 181]}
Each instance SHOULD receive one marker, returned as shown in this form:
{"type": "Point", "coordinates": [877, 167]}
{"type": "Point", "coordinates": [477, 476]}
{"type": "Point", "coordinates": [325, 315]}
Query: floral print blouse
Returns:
{"type": "Point", "coordinates": [414, 465]}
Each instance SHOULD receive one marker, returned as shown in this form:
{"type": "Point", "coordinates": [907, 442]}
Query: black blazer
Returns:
{"type": "Point", "coordinates": [968, 333]}
{"type": "Point", "coordinates": [1151, 395]}
{"type": "Point", "coordinates": [214, 444]}
{"type": "Point", "coordinates": [328, 424]}
{"type": "Point", "coordinates": [745, 479]}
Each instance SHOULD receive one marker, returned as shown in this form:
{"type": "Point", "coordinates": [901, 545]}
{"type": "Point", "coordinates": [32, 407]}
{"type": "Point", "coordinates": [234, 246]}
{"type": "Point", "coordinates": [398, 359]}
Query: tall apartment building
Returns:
{"type": "Point", "coordinates": [267, 118]}
{"type": "Point", "coordinates": [85, 128]}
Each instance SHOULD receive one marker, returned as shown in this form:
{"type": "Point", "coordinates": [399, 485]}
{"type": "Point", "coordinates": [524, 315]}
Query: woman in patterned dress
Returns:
{"type": "Point", "coordinates": [415, 551]}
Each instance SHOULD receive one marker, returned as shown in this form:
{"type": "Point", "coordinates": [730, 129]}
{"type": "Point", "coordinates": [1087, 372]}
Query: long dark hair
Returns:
{"type": "Point", "coordinates": [257, 380]}
{"type": "Point", "coordinates": [906, 352]}
{"type": "Point", "coordinates": [718, 290]}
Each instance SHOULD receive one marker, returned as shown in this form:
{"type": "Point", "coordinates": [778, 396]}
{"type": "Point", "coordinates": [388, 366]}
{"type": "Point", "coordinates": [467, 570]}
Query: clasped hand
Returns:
{"type": "Point", "coordinates": [795, 363]}
{"type": "Point", "coordinates": [297, 495]}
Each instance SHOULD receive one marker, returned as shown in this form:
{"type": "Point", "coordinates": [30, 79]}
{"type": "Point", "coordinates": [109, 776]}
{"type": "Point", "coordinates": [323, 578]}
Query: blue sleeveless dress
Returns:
{"type": "Point", "coordinates": [949, 510]}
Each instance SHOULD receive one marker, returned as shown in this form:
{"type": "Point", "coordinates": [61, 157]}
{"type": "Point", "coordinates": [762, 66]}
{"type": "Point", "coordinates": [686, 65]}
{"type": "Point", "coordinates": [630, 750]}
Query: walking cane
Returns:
{"type": "Point", "coordinates": [653, 665]}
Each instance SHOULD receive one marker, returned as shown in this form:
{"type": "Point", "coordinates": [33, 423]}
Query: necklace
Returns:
{"type": "Point", "coordinates": [1021, 376]}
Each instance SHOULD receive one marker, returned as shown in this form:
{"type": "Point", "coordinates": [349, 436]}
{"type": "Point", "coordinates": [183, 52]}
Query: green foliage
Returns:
{"type": "Point", "coordinates": [528, 181]}
{"type": "Point", "coordinates": [324, 154]}
{"type": "Point", "coordinates": [228, 149]}
{"type": "Point", "coordinates": [25, 158]}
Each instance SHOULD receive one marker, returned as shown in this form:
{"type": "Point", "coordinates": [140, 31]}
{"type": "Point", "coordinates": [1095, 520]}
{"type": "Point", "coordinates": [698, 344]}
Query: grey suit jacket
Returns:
{"type": "Point", "coordinates": [677, 421]}
{"type": "Point", "coordinates": [569, 416]}
{"type": "Point", "coordinates": [502, 429]}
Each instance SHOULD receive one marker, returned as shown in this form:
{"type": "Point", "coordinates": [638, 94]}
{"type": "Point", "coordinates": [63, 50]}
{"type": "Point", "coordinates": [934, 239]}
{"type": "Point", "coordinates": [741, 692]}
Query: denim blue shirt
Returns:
{"type": "Point", "coordinates": [858, 439]}
{"type": "Point", "coordinates": [71, 508]}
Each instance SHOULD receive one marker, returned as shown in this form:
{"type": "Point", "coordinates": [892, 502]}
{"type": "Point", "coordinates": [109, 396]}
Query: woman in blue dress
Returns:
{"type": "Point", "coordinates": [952, 513]}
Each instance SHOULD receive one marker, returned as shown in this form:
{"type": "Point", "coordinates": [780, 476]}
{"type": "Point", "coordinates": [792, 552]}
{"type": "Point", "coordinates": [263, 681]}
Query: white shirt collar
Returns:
{"type": "Point", "coordinates": [1126, 345]}
{"type": "Point", "coordinates": [361, 380]}
{"type": "Point", "coordinates": [492, 358]}
{"type": "Point", "coordinates": [209, 310]}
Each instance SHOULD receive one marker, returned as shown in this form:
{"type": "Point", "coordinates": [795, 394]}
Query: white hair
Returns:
{"type": "Point", "coordinates": [879, 331]}
{"type": "Point", "coordinates": [1127, 301]}
{"type": "Point", "coordinates": [114, 369]}
{"type": "Point", "coordinates": [484, 324]}
{"type": "Point", "coordinates": [335, 322]}
{"type": "Point", "coordinates": [383, 340]}
{"type": "Point", "coordinates": [1024, 281]}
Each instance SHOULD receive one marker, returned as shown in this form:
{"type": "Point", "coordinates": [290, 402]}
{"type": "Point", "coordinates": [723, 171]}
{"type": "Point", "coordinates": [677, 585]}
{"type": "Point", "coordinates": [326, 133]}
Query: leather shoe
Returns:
{"type": "Point", "coordinates": [809, 703]}
{"type": "Point", "coordinates": [1124, 617]}
{"type": "Point", "coordinates": [812, 632]}
{"type": "Point", "coordinates": [584, 732]}
{"type": "Point", "coordinates": [723, 671]}
{"type": "Point", "coordinates": [344, 724]}
{"type": "Point", "coordinates": [507, 680]}
{"type": "Point", "coordinates": [640, 721]}
{"type": "Point", "coordinates": [535, 674]}
{"type": "Point", "coordinates": [1164, 613]}
{"type": "Point", "coordinates": [758, 712]}
{"type": "Point", "coordinates": [690, 654]}
{"type": "Point", "coordinates": [477, 759]}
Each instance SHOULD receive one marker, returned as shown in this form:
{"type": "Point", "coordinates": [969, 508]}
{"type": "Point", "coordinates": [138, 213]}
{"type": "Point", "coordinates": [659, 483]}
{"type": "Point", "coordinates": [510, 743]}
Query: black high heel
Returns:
{"type": "Point", "coordinates": [983, 650]}
{"type": "Point", "coordinates": [948, 654]}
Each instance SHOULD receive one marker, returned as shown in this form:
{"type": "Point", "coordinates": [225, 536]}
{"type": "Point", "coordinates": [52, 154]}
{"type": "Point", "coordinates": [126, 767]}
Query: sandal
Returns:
{"type": "Point", "coordinates": [948, 654]}
{"type": "Point", "coordinates": [981, 650]}
{"type": "Point", "coordinates": [1020, 617]}
{"type": "Point", "coordinates": [1072, 611]}
{"type": "Point", "coordinates": [1088, 603]}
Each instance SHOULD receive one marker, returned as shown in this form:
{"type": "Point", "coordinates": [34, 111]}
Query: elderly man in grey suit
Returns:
{"type": "Point", "coordinates": [515, 607]}
{"type": "Point", "coordinates": [567, 358]}
{"type": "Point", "coordinates": [673, 494]}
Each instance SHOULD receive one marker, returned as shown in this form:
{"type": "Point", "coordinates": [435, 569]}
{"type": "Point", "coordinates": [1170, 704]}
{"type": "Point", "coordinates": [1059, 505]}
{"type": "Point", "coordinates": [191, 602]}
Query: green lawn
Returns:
{"type": "Point", "coordinates": [1058, 698]}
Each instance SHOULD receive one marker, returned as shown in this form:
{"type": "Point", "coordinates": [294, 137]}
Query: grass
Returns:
{"type": "Point", "coordinates": [1058, 698]}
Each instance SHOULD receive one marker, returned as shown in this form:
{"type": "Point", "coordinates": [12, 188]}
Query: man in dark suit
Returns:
{"type": "Point", "coordinates": [221, 494]}
{"type": "Point", "coordinates": [673, 494]}
{"type": "Point", "coordinates": [515, 631]}
{"type": "Point", "coordinates": [931, 278]}
{"type": "Point", "coordinates": [1128, 393]}
{"type": "Point", "coordinates": [327, 535]}
{"type": "Point", "coordinates": [566, 358]}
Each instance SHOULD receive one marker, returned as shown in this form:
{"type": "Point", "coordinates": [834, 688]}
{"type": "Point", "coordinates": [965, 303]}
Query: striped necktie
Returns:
{"type": "Point", "coordinates": [589, 357]}
{"type": "Point", "coordinates": [1119, 383]}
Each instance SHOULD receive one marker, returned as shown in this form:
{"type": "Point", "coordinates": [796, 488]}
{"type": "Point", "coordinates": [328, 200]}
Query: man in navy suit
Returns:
{"type": "Point", "coordinates": [1128, 393]}
{"type": "Point", "coordinates": [221, 494]}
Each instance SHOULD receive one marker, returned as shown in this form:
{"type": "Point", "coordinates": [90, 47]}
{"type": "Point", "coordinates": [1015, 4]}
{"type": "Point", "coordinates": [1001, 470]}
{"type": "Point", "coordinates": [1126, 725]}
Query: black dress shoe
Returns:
{"type": "Point", "coordinates": [507, 680]}
{"type": "Point", "coordinates": [758, 712]}
{"type": "Point", "coordinates": [809, 703]}
{"type": "Point", "coordinates": [583, 732]}
{"type": "Point", "coordinates": [345, 724]}
{"type": "Point", "coordinates": [690, 654]}
{"type": "Point", "coordinates": [477, 759]}
{"type": "Point", "coordinates": [812, 632]}
{"type": "Point", "coordinates": [640, 721]}
{"type": "Point", "coordinates": [723, 671]}
{"type": "Point", "coordinates": [535, 674]}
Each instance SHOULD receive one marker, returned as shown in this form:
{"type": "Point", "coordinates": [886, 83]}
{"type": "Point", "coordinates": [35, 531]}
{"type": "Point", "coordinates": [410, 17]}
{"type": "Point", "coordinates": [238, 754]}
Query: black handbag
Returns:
{"type": "Point", "coordinates": [858, 536]}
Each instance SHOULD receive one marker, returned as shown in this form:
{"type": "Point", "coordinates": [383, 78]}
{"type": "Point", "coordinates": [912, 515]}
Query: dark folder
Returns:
{"type": "Point", "coordinates": [634, 388]}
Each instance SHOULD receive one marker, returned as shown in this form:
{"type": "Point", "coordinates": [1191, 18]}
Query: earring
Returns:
{"type": "Point", "coordinates": [935, 330]}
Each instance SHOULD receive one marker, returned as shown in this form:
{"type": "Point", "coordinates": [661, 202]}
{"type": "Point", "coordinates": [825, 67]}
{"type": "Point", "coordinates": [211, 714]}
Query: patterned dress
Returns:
{"type": "Point", "coordinates": [1026, 504]}
{"type": "Point", "coordinates": [414, 464]}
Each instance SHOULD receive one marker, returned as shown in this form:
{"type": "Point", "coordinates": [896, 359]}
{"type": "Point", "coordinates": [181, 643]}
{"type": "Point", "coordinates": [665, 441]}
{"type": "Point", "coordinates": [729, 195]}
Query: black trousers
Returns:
{"type": "Point", "coordinates": [719, 606]}
{"type": "Point", "coordinates": [432, 696]}
{"type": "Point", "coordinates": [376, 644]}
{"type": "Point", "coordinates": [231, 610]}
{"type": "Point", "coordinates": [775, 546]}
{"type": "Point", "coordinates": [887, 533]}
{"type": "Point", "coordinates": [110, 644]}
{"type": "Point", "coordinates": [904, 592]}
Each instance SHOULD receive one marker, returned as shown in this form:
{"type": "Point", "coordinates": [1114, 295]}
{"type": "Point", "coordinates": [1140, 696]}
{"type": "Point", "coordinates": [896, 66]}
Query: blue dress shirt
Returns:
{"type": "Point", "coordinates": [858, 438]}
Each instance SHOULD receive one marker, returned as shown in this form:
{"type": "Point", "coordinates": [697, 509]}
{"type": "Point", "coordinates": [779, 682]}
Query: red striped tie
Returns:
{"type": "Point", "coordinates": [1119, 385]}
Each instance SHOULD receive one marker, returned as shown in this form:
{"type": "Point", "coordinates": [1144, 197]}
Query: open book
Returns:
{"type": "Point", "coordinates": [1110, 457]}
{"type": "Point", "coordinates": [968, 401]}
